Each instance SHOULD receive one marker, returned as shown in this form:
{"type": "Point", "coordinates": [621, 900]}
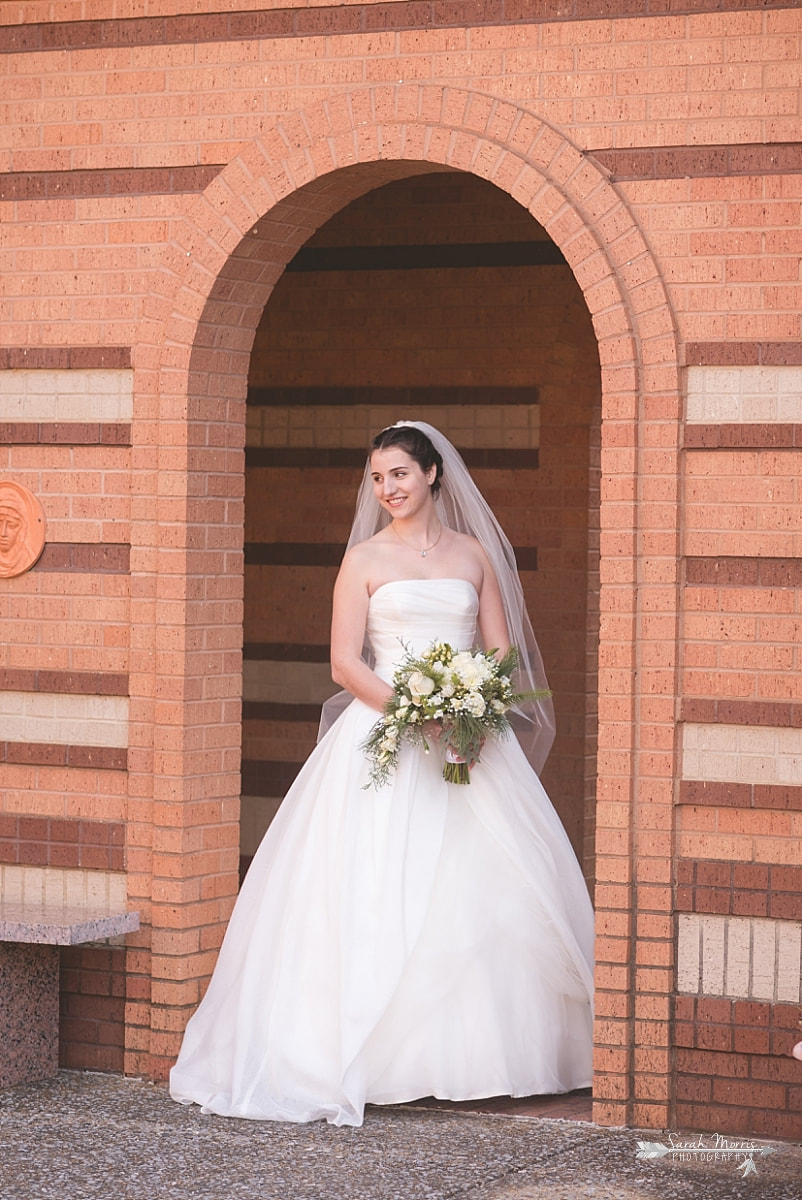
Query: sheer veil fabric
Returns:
{"type": "Point", "coordinates": [462, 507]}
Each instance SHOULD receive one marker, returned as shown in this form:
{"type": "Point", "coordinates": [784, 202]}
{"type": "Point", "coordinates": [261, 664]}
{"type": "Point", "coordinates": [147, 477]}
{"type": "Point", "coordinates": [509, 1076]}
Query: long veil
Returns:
{"type": "Point", "coordinates": [462, 507]}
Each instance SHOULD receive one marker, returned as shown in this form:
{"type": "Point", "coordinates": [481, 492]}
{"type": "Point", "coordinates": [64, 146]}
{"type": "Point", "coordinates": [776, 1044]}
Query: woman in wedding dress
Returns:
{"type": "Point", "coordinates": [423, 938]}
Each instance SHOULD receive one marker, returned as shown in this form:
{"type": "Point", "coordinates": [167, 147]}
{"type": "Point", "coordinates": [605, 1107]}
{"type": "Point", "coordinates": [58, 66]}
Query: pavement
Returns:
{"type": "Point", "coordinates": [84, 1136]}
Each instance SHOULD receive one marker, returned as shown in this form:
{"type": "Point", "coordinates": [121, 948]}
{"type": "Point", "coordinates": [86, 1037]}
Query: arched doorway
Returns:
{"type": "Point", "coordinates": [191, 385]}
{"type": "Point", "coordinates": [439, 297]}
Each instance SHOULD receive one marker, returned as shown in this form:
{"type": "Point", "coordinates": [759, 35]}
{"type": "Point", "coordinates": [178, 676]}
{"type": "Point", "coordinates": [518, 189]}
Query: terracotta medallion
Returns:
{"type": "Point", "coordinates": [22, 529]}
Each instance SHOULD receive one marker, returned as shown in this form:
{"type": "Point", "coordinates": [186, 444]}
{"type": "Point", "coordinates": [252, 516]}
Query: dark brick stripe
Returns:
{"type": "Point", "coordinates": [51, 754]}
{"type": "Point", "coordinates": [737, 889]}
{"type": "Point", "coordinates": [62, 358]}
{"type": "Point", "coordinates": [62, 842]}
{"type": "Point", "coordinates": [286, 652]}
{"type": "Point", "coordinates": [678, 162]}
{"type": "Point", "coordinates": [128, 181]}
{"type": "Point", "coordinates": [734, 1068]}
{"type": "Point", "coordinates": [705, 793]}
{"type": "Point", "coordinates": [743, 436]}
{"type": "Point", "coordinates": [65, 433]}
{"type": "Point", "coordinates": [101, 559]}
{"type": "Point", "coordinates": [717, 1023]}
{"type": "Point", "coordinates": [781, 713]}
{"type": "Point", "coordinates": [427, 257]}
{"type": "Point", "coordinates": [72, 683]}
{"type": "Point", "coordinates": [743, 354]}
{"type": "Point", "coordinates": [734, 571]}
{"type": "Point", "coordinates": [263, 710]}
{"type": "Point", "coordinates": [389, 397]}
{"type": "Point", "coordinates": [347, 458]}
{"type": "Point", "coordinates": [261, 778]}
{"type": "Point", "coordinates": [346, 19]}
{"type": "Point", "coordinates": [292, 554]}
{"type": "Point", "coordinates": [317, 554]}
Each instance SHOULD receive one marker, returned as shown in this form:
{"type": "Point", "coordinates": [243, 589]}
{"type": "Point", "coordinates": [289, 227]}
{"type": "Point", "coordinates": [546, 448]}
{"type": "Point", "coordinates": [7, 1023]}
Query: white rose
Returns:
{"type": "Point", "coordinates": [420, 685]}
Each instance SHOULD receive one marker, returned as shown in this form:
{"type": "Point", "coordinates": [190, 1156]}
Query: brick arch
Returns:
{"type": "Point", "coordinates": [224, 260]}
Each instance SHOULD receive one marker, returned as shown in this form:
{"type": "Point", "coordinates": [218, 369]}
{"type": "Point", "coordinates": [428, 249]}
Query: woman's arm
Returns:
{"type": "Point", "coordinates": [492, 621]}
{"type": "Point", "coordinates": [348, 620]}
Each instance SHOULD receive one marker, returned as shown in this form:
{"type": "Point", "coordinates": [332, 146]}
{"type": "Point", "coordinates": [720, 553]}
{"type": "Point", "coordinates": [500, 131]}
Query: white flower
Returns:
{"type": "Point", "coordinates": [499, 707]}
{"type": "Point", "coordinates": [447, 690]}
{"type": "Point", "coordinates": [475, 704]}
{"type": "Point", "coordinates": [420, 685]}
{"type": "Point", "coordinates": [471, 670]}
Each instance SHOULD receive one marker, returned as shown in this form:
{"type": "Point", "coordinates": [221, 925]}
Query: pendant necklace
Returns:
{"type": "Point", "coordinates": [425, 549]}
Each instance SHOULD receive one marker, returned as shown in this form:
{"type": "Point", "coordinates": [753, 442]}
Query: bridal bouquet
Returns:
{"type": "Point", "coordinates": [467, 692]}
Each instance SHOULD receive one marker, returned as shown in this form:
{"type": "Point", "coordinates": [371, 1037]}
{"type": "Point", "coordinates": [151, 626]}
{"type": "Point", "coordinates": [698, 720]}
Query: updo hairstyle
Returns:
{"type": "Point", "coordinates": [417, 446]}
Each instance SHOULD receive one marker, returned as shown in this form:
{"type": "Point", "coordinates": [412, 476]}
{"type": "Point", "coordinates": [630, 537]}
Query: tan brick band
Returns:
{"type": "Point", "coordinates": [63, 842]}
{"type": "Point", "coordinates": [49, 754]}
{"type": "Point", "coordinates": [738, 889]}
{"type": "Point", "coordinates": [86, 683]}
{"type": "Point", "coordinates": [743, 958]}
{"type": "Point", "coordinates": [65, 433]}
{"type": "Point", "coordinates": [331, 21]}
{"type": "Point", "coordinates": [98, 559]}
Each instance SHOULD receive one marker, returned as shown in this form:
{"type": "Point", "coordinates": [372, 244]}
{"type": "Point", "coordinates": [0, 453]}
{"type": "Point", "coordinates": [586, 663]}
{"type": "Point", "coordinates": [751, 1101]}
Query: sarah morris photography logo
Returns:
{"type": "Point", "coordinates": [707, 1147]}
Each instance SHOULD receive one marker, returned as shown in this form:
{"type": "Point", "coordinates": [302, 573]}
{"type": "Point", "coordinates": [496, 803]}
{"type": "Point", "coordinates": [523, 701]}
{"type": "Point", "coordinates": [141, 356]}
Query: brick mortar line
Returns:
{"type": "Point", "coordinates": [338, 20]}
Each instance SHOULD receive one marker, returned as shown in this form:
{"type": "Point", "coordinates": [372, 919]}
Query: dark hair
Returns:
{"type": "Point", "coordinates": [417, 446]}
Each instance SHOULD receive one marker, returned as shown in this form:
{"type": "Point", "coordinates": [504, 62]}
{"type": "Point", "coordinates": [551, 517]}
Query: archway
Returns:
{"type": "Point", "coordinates": [227, 258]}
{"type": "Point", "coordinates": [438, 297]}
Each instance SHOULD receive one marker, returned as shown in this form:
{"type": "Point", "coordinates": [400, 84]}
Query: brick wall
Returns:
{"type": "Point", "coordinates": [157, 173]}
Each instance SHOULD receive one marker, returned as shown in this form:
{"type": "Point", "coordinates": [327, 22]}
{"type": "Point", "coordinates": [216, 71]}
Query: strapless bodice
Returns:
{"type": "Point", "coordinates": [413, 613]}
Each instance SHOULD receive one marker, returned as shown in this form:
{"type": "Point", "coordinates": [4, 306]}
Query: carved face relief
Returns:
{"type": "Point", "coordinates": [22, 529]}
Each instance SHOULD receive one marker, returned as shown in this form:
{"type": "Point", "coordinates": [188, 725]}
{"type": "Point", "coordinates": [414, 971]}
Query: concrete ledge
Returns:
{"type": "Point", "coordinates": [62, 926]}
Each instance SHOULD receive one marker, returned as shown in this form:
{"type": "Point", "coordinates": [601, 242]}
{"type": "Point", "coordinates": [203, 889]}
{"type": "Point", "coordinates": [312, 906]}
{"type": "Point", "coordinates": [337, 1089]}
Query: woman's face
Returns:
{"type": "Point", "coordinates": [10, 527]}
{"type": "Point", "coordinates": [399, 483]}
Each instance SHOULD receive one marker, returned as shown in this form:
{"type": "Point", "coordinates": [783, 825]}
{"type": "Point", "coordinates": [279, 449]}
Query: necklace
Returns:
{"type": "Point", "coordinates": [425, 549]}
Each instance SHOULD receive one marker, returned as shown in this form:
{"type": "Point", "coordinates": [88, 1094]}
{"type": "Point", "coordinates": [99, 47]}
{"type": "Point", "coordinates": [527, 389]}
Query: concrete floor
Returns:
{"type": "Point", "coordinates": [86, 1137]}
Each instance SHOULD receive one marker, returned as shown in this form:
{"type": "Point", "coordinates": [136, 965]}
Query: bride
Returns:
{"type": "Point", "coordinates": [425, 938]}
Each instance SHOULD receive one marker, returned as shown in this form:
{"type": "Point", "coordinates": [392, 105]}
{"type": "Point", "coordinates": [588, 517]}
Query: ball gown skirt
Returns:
{"type": "Point", "coordinates": [424, 939]}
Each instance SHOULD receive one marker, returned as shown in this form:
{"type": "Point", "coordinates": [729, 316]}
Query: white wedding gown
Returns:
{"type": "Point", "coordinates": [424, 939]}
